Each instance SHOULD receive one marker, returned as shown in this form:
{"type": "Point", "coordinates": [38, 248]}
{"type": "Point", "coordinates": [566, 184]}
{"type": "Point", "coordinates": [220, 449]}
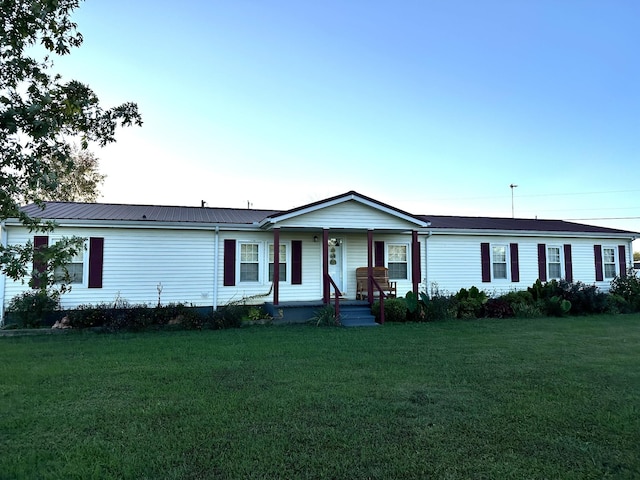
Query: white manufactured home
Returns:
{"type": "Point", "coordinates": [213, 256]}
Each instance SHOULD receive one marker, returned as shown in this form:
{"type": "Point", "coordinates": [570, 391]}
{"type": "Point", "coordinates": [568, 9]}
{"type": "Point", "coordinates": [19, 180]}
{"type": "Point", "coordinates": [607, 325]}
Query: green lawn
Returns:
{"type": "Point", "coordinates": [495, 399]}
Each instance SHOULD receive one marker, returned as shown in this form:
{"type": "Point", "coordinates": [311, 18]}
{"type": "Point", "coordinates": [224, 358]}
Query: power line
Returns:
{"type": "Point", "coordinates": [604, 218]}
{"type": "Point", "coordinates": [488, 197]}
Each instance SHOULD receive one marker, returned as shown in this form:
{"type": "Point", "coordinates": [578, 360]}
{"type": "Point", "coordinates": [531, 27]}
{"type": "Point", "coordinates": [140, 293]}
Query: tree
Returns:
{"type": "Point", "coordinates": [78, 180]}
{"type": "Point", "coordinates": [636, 256]}
{"type": "Point", "coordinates": [40, 118]}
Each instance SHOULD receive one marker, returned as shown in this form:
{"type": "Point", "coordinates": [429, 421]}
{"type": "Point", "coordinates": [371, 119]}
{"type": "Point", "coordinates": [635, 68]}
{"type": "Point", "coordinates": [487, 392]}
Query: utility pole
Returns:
{"type": "Point", "coordinates": [512, 186]}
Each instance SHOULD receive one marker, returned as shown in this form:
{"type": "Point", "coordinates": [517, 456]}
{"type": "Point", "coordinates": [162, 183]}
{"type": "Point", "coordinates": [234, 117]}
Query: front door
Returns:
{"type": "Point", "coordinates": [336, 263]}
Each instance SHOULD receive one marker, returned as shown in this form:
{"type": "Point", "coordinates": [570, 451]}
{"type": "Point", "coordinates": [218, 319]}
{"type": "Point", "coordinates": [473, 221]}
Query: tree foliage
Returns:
{"type": "Point", "coordinates": [636, 256]}
{"type": "Point", "coordinates": [41, 115]}
{"type": "Point", "coordinates": [78, 179]}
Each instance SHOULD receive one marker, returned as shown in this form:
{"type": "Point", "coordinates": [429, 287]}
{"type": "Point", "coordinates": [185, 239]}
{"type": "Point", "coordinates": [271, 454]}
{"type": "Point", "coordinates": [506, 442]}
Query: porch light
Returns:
{"type": "Point", "coordinates": [315, 239]}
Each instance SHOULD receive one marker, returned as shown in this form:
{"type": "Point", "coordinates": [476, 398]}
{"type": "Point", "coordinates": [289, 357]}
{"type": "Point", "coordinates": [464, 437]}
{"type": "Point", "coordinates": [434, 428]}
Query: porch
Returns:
{"type": "Point", "coordinates": [353, 313]}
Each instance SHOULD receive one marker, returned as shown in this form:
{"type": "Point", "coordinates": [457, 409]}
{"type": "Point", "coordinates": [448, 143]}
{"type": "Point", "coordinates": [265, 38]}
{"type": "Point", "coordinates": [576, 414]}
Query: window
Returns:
{"type": "Point", "coordinates": [282, 260]}
{"type": "Point", "coordinates": [398, 261]}
{"type": "Point", "coordinates": [609, 261]}
{"type": "Point", "coordinates": [249, 262]}
{"type": "Point", "coordinates": [72, 272]}
{"type": "Point", "coordinates": [499, 260]}
{"type": "Point", "coordinates": [554, 264]}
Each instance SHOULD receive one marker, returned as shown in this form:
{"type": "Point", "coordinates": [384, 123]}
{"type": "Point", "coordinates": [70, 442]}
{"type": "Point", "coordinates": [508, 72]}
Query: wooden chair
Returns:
{"type": "Point", "coordinates": [381, 275]}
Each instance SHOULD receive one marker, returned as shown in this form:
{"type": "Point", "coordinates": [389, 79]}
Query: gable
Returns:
{"type": "Point", "coordinates": [350, 214]}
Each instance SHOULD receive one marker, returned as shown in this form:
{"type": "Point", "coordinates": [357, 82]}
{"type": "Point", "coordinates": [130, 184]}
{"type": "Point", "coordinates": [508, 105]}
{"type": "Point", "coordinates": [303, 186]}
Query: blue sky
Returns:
{"type": "Point", "coordinates": [431, 106]}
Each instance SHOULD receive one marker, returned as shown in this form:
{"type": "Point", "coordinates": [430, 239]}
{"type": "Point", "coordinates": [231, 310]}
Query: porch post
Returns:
{"type": "Point", "coordinates": [326, 295]}
{"type": "Point", "coordinates": [276, 266]}
{"type": "Point", "coordinates": [415, 261]}
{"type": "Point", "coordinates": [369, 265]}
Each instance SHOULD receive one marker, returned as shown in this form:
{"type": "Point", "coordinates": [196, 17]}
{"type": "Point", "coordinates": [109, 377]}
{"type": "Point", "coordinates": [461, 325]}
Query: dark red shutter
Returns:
{"type": "Point", "coordinates": [485, 260]}
{"type": "Point", "coordinates": [622, 260]}
{"type": "Point", "coordinates": [417, 263]}
{"type": "Point", "coordinates": [229, 263]}
{"type": "Point", "coordinates": [378, 254]}
{"type": "Point", "coordinates": [542, 262]}
{"type": "Point", "coordinates": [597, 254]}
{"type": "Point", "coordinates": [39, 267]}
{"type": "Point", "coordinates": [96, 259]}
{"type": "Point", "coordinates": [568, 263]}
{"type": "Point", "coordinates": [296, 262]}
{"type": "Point", "coordinates": [515, 262]}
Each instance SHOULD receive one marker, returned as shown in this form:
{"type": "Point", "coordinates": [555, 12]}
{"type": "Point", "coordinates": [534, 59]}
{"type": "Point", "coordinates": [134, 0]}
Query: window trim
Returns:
{"type": "Point", "coordinates": [84, 253]}
{"type": "Point", "coordinates": [507, 262]}
{"type": "Point", "coordinates": [407, 247]}
{"type": "Point", "coordinates": [614, 262]}
{"type": "Point", "coordinates": [287, 262]}
{"type": "Point", "coordinates": [560, 262]}
{"type": "Point", "coordinates": [259, 262]}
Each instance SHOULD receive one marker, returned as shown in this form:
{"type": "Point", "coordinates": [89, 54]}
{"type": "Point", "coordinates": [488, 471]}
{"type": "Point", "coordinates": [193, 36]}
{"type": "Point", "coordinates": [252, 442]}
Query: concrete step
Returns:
{"type": "Point", "coordinates": [357, 316]}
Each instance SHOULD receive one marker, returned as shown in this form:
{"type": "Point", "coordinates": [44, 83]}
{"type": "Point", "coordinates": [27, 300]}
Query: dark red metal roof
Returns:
{"type": "Point", "coordinates": [516, 224]}
{"type": "Point", "coordinates": [242, 216]}
{"type": "Point", "coordinates": [151, 213]}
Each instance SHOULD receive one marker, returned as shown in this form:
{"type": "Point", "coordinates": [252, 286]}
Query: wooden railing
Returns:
{"type": "Point", "coordinates": [383, 295]}
{"type": "Point", "coordinates": [336, 295]}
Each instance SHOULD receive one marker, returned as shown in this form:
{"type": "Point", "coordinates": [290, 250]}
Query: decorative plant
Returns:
{"type": "Point", "coordinates": [326, 316]}
{"type": "Point", "coordinates": [32, 307]}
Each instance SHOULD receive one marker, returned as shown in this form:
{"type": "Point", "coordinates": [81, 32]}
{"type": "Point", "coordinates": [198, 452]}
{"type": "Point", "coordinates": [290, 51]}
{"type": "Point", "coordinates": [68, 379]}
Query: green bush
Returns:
{"type": "Point", "coordinates": [32, 307]}
{"type": "Point", "coordinates": [395, 310]}
{"type": "Point", "coordinates": [628, 288]}
{"type": "Point", "coordinates": [326, 317]}
{"type": "Point", "coordinates": [523, 297]}
{"type": "Point", "coordinates": [416, 306]}
{"type": "Point", "coordinates": [585, 299]}
{"type": "Point", "coordinates": [557, 306]}
{"type": "Point", "coordinates": [88, 316]}
{"type": "Point", "coordinates": [528, 310]}
{"type": "Point", "coordinates": [470, 303]}
{"type": "Point", "coordinates": [228, 316]}
{"type": "Point", "coordinates": [439, 307]}
{"type": "Point", "coordinates": [135, 318]}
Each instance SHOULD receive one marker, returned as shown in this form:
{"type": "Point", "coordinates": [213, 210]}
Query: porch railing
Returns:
{"type": "Point", "coordinates": [382, 295]}
{"type": "Point", "coordinates": [336, 295]}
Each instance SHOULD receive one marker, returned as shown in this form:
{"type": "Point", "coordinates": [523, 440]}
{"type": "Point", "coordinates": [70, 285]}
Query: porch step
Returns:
{"type": "Point", "coordinates": [357, 316]}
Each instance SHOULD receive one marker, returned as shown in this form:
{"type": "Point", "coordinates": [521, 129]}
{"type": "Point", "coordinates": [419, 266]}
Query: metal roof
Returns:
{"type": "Point", "coordinates": [241, 216]}
{"type": "Point", "coordinates": [515, 224]}
{"type": "Point", "coordinates": [150, 213]}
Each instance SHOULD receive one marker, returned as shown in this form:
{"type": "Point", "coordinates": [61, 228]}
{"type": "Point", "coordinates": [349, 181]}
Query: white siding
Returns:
{"type": "Point", "coordinates": [454, 261]}
{"type": "Point", "coordinates": [136, 262]}
{"type": "Point", "coordinates": [256, 292]}
{"type": "Point", "coordinates": [349, 215]}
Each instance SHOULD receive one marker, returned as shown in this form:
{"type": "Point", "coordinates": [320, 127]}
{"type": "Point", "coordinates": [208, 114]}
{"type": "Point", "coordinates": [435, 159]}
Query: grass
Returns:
{"type": "Point", "coordinates": [545, 398]}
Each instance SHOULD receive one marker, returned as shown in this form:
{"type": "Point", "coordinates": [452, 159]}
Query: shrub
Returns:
{"type": "Point", "coordinates": [179, 315]}
{"type": "Point", "coordinates": [87, 316]}
{"type": "Point", "coordinates": [416, 306]}
{"type": "Point", "coordinates": [528, 310]}
{"type": "Point", "coordinates": [229, 316]}
{"type": "Point", "coordinates": [395, 310]}
{"type": "Point", "coordinates": [470, 303]}
{"type": "Point", "coordinates": [122, 316]}
{"type": "Point", "coordinates": [544, 291]}
{"type": "Point", "coordinates": [439, 307]}
{"type": "Point", "coordinates": [519, 296]}
{"type": "Point", "coordinates": [32, 307]}
{"type": "Point", "coordinates": [498, 308]}
{"type": "Point", "coordinates": [557, 306]}
{"type": "Point", "coordinates": [326, 317]}
{"type": "Point", "coordinates": [585, 299]}
{"type": "Point", "coordinates": [628, 288]}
